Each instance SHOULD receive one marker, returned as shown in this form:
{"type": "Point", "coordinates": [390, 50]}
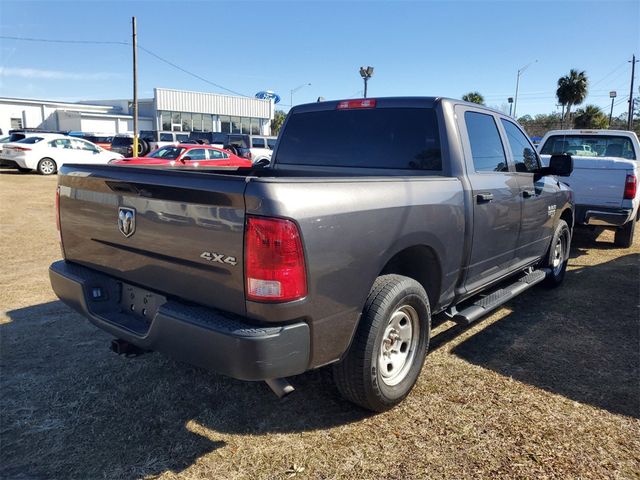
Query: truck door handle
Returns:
{"type": "Point", "coordinates": [484, 197]}
{"type": "Point", "coordinates": [528, 193]}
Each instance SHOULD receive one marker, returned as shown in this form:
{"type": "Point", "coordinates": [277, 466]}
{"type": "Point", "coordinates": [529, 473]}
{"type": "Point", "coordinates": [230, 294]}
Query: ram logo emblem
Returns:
{"type": "Point", "coordinates": [127, 221]}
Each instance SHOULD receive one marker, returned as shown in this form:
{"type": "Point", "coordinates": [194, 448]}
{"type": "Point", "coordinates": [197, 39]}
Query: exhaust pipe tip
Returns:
{"type": "Point", "coordinates": [280, 386]}
{"type": "Point", "coordinates": [122, 347]}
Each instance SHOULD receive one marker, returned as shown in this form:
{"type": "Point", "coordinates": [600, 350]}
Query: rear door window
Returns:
{"type": "Point", "coordinates": [196, 154]}
{"type": "Point", "coordinates": [257, 142]}
{"type": "Point", "coordinates": [216, 155]}
{"type": "Point", "coordinates": [486, 147]}
{"type": "Point", "coordinates": [522, 151]}
{"type": "Point", "coordinates": [390, 138]}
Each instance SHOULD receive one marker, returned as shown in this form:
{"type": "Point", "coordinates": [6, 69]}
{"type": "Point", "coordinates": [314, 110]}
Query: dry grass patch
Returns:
{"type": "Point", "coordinates": [547, 387]}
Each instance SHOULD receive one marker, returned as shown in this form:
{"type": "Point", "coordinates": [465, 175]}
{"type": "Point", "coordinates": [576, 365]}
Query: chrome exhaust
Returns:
{"type": "Point", "coordinates": [280, 386]}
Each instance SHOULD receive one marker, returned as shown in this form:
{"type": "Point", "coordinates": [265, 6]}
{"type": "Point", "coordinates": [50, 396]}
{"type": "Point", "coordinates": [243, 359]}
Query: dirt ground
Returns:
{"type": "Point", "coordinates": [547, 387]}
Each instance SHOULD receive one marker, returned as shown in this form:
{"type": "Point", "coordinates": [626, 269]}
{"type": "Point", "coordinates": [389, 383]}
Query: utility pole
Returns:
{"type": "Point", "coordinates": [633, 71]}
{"type": "Point", "coordinates": [135, 87]}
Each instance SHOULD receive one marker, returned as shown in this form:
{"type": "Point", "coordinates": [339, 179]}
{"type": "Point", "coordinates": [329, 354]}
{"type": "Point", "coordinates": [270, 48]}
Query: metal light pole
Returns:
{"type": "Point", "coordinates": [296, 89]}
{"type": "Point", "coordinates": [612, 95]}
{"type": "Point", "coordinates": [135, 87]}
{"type": "Point", "coordinates": [520, 72]}
{"type": "Point", "coordinates": [631, 105]}
{"type": "Point", "coordinates": [510, 100]}
{"type": "Point", "coordinates": [366, 74]}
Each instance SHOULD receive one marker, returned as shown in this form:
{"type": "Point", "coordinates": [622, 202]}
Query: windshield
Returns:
{"type": "Point", "coordinates": [397, 138]}
{"type": "Point", "coordinates": [169, 152]}
{"type": "Point", "coordinates": [589, 146]}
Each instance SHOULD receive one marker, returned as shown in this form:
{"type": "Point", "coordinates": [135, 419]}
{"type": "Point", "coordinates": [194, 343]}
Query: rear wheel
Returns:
{"type": "Point", "coordinates": [47, 166]}
{"type": "Point", "coordinates": [558, 256]}
{"type": "Point", "coordinates": [624, 234]}
{"type": "Point", "coordinates": [389, 347]}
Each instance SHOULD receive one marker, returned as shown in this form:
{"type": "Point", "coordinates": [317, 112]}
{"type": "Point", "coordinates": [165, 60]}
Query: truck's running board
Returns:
{"type": "Point", "coordinates": [493, 300]}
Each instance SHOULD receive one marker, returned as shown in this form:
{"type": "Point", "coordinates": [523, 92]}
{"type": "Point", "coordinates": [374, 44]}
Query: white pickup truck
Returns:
{"type": "Point", "coordinates": [604, 178]}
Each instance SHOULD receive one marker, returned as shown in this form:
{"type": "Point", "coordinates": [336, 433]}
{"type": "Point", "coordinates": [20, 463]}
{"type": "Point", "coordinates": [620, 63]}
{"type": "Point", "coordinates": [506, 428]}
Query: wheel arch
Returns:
{"type": "Point", "coordinates": [421, 263]}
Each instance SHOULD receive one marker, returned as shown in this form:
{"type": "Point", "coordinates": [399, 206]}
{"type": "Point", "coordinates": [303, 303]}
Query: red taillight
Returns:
{"type": "Point", "coordinates": [22, 149]}
{"type": "Point", "coordinates": [274, 260]}
{"type": "Point", "coordinates": [351, 104]}
{"type": "Point", "coordinates": [630, 187]}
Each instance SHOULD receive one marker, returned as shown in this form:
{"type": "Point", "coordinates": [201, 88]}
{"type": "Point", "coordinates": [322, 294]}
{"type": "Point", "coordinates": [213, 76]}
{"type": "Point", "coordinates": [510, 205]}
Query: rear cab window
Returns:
{"type": "Point", "coordinates": [590, 146]}
{"type": "Point", "coordinates": [401, 138]}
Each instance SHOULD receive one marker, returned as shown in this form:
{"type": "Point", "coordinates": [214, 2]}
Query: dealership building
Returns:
{"type": "Point", "coordinates": [168, 110]}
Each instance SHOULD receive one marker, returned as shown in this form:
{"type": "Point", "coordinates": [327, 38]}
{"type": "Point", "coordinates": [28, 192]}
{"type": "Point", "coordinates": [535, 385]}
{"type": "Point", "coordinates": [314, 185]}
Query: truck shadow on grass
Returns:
{"type": "Point", "coordinates": [73, 409]}
{"type": "Point", "coordinates": [580, 340]}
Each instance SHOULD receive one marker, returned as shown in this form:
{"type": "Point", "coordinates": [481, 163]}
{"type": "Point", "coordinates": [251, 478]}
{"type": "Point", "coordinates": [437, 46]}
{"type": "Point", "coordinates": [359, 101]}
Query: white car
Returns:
{"type": "Point", "coordinates": [262, 147]}
{"type": "Point", "coordinates": [47, 152]}
{"type": "Point", "coordinates": [605, 177]}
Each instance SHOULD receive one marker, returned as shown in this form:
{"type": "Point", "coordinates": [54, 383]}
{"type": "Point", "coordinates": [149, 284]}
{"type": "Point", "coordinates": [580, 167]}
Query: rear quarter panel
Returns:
{"type": "Point", "coordinates": [350, 230]}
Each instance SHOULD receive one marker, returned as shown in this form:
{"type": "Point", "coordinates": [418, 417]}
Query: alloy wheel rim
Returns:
{"type": "Point", "coordinates": [398, 345]}
{"type": "Point", "coordinates": [47, 167]}
{"type": "Point", "coordinates": [558, 254]}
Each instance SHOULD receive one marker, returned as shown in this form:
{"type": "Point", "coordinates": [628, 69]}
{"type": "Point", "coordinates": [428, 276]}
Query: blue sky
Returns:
{"type": "Point", "coordinates": [417, 48]}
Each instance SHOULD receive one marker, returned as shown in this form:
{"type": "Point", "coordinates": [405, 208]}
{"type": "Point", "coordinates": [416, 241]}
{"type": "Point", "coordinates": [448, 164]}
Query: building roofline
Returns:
{"type": "Point", "coordinates": [55, 103]}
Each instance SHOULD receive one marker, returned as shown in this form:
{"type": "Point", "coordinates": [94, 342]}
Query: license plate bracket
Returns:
{"type": "Point", "coordinates": [140, 302]}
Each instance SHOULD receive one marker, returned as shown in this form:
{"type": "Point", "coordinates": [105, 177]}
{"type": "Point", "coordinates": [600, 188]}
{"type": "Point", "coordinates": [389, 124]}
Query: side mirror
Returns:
{"type": "Point", "coordinates": [186, 158]}
{"type": "Point", "coordinates": [560, 165]}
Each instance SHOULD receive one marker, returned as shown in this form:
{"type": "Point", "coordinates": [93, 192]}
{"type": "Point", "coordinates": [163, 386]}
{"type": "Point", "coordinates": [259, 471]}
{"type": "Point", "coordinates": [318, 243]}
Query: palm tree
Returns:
{"type": "Point", "coordinates": [590, 116]}
{"type": "Point", "coordinates": [572, 90]}
{"type": "Point", "coordinates": [276, 123]}
{"type": "Point", "coordinates": [473, 97]}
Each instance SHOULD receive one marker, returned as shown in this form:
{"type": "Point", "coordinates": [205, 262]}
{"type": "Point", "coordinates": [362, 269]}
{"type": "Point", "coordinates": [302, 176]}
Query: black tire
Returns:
{"type": "Point", "coordinates": [233, 149]}
{"type": "Point", "coordinates": [556, 260]}
{"type": "Point", "coordinates": [143, 147]}
{"type": "Point", "coordinates": [624, 234]}
{"type": "Point", "coordinates": [359, 376]}
{"type": "Point", "coordinates": [47, 166]}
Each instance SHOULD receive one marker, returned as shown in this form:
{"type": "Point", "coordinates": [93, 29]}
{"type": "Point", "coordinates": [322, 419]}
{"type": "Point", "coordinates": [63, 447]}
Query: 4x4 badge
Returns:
{"type": "Point", "coordinates": [127, 221]}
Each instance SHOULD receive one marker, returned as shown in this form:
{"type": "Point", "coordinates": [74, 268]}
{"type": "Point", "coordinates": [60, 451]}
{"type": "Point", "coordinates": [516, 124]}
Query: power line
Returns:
{"type": "Point", "coordinates": [49, 40]}
{"type": "Point", "coordinates": [184, 70]}
{"type": "Point", "coordinates": [146, 50]}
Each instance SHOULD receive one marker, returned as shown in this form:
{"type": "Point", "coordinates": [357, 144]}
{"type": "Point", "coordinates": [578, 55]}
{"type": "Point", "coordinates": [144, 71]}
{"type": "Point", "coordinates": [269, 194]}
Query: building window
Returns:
{"type": "Point", "coordinates": [225, 124]}
{"type": "Point", "coordinates": [235, 125]}
{"type": "Point", "coordinates": [197, 122]}
{"type": "Point", "coordinates": [16, 123]}
{"type": "Point", "coordinates": [245, 124]}
{"type": "Point", "coordinates": [176, 124]}
{"type": "Point", "coordinates": [207, 123]}
{"type": "Point", "coordinates": [165, 120]}
{"type": "Point", "coordinates": [255, 126]}
{"type": "Point", "coordinates": [186, 122]}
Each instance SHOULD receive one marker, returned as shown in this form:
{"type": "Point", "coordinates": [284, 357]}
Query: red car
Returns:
{"type": "Point", "coordinates": [187, 155]}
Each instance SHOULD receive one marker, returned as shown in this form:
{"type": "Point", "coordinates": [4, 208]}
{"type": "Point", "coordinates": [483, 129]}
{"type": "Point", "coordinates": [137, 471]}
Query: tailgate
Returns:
{"type": "Point", "coordinates": [178, 233]}
{"type": "Point", "coordinates": [598, 181]}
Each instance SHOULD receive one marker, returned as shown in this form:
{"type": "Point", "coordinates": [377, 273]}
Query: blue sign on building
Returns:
{"type": "Point", "coordinates": [268, 95]}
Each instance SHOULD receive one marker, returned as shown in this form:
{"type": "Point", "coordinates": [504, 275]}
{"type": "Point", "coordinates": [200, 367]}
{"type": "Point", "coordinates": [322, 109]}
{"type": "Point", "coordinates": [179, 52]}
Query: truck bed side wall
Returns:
{"type": "Point", "coordinates": [370, 221]}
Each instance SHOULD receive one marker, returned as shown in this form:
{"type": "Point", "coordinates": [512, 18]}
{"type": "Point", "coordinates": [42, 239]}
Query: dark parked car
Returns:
{"type": "Point", "coordinates": [373, 216]}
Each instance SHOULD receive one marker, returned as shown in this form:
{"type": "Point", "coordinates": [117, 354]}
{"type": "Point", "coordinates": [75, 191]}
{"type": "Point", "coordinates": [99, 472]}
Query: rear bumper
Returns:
{"type": "Point", "coordinates": [603, 216]}
{"type": "Point", "coordinates": [197, 335]}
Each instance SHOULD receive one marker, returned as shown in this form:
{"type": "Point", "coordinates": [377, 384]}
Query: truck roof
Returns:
{"type": "Point", "coordinates": [586, 131]}
{"type": "Point", "coordinates": [414, 101]}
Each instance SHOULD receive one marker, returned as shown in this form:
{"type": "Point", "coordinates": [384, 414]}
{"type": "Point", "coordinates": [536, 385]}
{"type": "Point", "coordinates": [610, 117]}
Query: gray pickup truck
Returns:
{"type": "Point", "coordinates": [373, 216]}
